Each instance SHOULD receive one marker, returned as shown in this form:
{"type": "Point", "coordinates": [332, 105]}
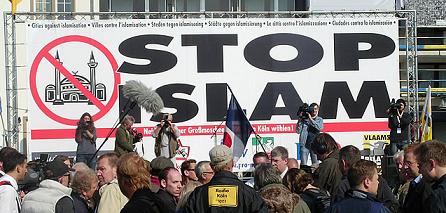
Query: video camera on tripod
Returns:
{"type": "Point", "coordinates": [304, 110]}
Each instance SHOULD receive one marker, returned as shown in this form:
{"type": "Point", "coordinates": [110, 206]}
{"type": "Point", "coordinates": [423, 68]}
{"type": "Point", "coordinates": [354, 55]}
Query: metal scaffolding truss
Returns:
{"type": "Point", "coordinates": [408, 32]}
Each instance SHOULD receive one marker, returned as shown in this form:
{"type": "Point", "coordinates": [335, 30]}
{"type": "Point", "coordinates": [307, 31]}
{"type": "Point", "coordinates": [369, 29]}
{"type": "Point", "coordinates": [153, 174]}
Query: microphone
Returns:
{"type": "Point", "coordinates": [145, 97]}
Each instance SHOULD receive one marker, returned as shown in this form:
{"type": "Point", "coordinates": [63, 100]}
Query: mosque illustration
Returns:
{"type": "Point", "coordinates": [64, 91]}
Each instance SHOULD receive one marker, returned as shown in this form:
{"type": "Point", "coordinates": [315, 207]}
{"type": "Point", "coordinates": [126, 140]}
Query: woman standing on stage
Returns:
{"type": "Point", "coordinates": [86, 140]}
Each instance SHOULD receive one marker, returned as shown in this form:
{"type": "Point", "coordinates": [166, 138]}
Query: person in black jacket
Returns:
{"type": "Point", "coordinates": [327, 176]}
{"type": "Point", "coordinates": [399, 122]}
{"type": "Point", "coordinates": [134, 180]}
{"type": "Point", "coordinates": [363, 176]}
{"type": "Point", "coordinates": [225, 192]}
{"type": "Point", "coordinates": [300, 182]}
{"type": "Point", "coordinates": [348, 156]}
{"type": "Point", "coordinates": [419, 188]}
{"type": "Point", "coordinates": [169, 193]}
{"type": "Point", "coordinates": [431, 157]}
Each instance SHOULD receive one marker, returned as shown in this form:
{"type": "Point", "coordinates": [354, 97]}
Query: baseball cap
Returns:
{"type": "Point", "coordinates": [160, 163]}
{"type": "Point", "coordinates": [56, 169]}
{"type": "Point", "coordinates": [220, 154]}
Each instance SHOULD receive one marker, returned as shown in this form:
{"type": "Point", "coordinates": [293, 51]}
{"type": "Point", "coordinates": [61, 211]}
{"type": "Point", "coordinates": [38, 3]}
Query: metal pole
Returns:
{"type": "Point", "coordinates": [11, 79]}
{"type": "Point", "coordinates": [5, 138]}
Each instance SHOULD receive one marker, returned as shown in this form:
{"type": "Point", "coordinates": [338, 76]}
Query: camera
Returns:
{"type": "Point", "coordinates": [303, 110]}
{"type": "Point", "coordinates": [394, 107]}
{"type": "Point", "coordinates": [34, 174]}
{"type": "Point", "coordinates": [137, 136]}
{"type": "Point", "coordinates": [84, 124]}
{"type": "Point", "coordinates": [166, 124]}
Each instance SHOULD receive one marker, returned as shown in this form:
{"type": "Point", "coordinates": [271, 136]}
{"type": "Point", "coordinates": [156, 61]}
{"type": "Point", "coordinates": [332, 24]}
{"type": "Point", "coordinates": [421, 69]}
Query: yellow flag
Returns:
{"type": "Point", "coordinates": [14, 4]}
{"type": "Point", "coordinates": [426, 118]}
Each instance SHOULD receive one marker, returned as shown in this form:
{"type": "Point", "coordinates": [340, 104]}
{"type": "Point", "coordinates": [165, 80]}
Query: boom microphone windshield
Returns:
{"type": "Point", "coordinates": [143, 96]}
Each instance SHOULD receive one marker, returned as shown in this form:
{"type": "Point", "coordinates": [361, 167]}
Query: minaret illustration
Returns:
{"type": "Point", "coordinates": [57, 100]}
{"type": "Point", "coordinates": [63, 91]}
{"type": "Point", "coordinates": [92, 64]}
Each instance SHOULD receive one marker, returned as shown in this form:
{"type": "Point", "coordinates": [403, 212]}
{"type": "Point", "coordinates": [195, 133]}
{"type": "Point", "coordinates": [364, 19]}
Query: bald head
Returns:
{"type": "Point", "coordinates": [292, 163]}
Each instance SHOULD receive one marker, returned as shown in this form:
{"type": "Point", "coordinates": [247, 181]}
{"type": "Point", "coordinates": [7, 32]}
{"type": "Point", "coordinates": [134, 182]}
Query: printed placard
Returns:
{"type": "Point", "coordinates": [223, 195]}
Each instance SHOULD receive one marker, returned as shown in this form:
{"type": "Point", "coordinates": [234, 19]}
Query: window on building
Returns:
{"type": "Point", "coordinates": [122, 6]}
{"type": "Point", "coordinates": [286, 5]}
{"type": "Point", "coordinates": [426, 73]}
{"type": "Point", "coordinates": [64, 6]}
{"type": "Point", "coordinates": [53, 6]}
{"type": "Point", "coordinates": [442, 75]}
{"type": "Point", "coordinates": [257, 5]}
{"type": "Point", "coordinates": [43, 6]}
{"type": "Point", "coordinates": [187, 5]}
{"type": "Point", "coordinates": [162, 5]}
{"type": "Point", "coordinates": [217, 5]}
{"type": "Point", "coordinates": [267, 5]}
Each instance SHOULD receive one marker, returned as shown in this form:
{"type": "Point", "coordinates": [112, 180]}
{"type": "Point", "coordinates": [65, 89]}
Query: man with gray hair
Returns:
{"type": "Point", "coordinates": [279, 159]}
{"type": "Point", "coordinates": [124, 136]}
{"type": "Point", "coordinates": [277, 196]}
{"type": "Point", "coordinates": [225, 192]}
{"type": "Point", "coordinates": [204, 172]}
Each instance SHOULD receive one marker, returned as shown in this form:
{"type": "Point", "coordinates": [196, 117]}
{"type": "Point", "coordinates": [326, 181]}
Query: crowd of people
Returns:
{"type": "Point", "coordinates": [343, 182]}
{"type": "Point", "coordinates": [122, 181]}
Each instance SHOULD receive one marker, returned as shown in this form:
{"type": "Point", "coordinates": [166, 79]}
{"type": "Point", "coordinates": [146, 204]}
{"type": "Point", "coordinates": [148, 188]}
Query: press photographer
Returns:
{"type": "Point", "coordinates": [166, 134]}
{"type": "Point", "coordinates": [399, 122]}
{"type": "Point", "coordinates": [86, 140]}
{"type": "Point", "coordinates": [308, 126]}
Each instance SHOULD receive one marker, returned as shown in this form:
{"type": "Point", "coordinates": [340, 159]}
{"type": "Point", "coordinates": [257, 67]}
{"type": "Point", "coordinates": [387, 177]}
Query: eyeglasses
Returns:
{"type": "Point", "coordinates": [190, 170]}
{"type": "Point", "coordinates": [208, 172]}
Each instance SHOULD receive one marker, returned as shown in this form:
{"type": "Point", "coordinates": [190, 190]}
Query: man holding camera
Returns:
{"type": "Point", "coordinates": [308, 126]}
{"type": "Point", "coordinates": [124, 136]}
{"type": "Point", "coordinates": [399, 122]}
{"type": "Point", "coordinates": [166, 134]}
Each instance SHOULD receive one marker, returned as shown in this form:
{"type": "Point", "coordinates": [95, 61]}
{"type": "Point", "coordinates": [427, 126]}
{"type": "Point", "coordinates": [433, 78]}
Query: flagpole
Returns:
{"type": "Point", "coordinates": [255, 133]}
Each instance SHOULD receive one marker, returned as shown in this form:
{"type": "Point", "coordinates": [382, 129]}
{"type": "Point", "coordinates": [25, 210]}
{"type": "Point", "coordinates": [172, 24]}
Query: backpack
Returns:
{"type": "Point", "coordinates": [319, 200]}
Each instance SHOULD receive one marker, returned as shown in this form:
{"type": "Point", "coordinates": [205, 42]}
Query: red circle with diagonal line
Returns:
{"type": "Point", "coordinates": [45, 53]}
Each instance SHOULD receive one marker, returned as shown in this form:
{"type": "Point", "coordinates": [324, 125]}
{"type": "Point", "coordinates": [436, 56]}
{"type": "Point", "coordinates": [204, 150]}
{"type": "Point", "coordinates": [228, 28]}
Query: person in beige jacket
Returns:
{"type": "Point", "coordinates": [112, 200]}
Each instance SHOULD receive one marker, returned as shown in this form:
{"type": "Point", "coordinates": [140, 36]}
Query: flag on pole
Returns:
{"type": "Point", "coordinates": [14, 4]}
{"type": "Point", "coordinates": [237, 129]}
{"type": "Point", "coordinates": [426, 118]}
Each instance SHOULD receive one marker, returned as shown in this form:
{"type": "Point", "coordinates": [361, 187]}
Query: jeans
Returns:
{"type": "Point", "coordinates": [304, 152]}
{"type": "Point", "coordinates": [85, 158]}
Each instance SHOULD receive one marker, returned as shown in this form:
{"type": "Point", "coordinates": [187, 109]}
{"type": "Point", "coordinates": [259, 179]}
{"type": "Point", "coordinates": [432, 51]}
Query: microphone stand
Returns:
{"type": "Point", "coordinates": [132, 105]}
{"type": "Point", "coordinates": [214, 135]}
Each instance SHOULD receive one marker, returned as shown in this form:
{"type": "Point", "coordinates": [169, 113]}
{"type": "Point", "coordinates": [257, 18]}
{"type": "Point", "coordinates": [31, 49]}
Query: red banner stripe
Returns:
{"type": "Point", "coordinates": [41, 134]}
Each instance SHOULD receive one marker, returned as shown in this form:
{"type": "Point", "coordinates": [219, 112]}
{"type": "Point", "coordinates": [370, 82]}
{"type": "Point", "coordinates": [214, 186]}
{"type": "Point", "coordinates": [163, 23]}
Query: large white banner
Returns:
{"type": "Point", "coordinates": [348, 66]}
